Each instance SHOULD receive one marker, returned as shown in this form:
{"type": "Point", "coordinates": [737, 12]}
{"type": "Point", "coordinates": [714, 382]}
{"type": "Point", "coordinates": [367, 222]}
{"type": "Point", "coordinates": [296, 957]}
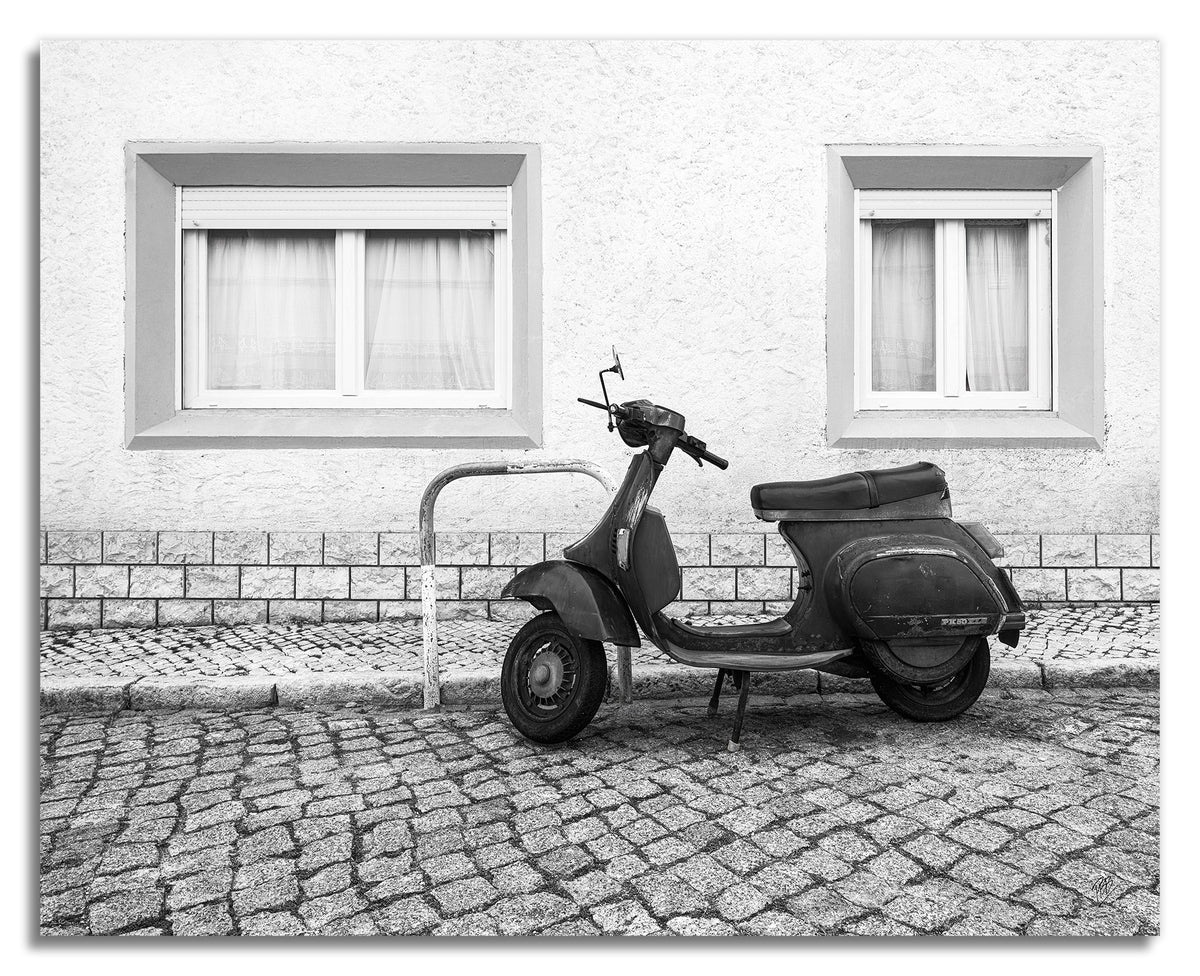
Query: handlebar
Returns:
{"type": "Point", "coordinates": [615, 409]}
{"type": "Point", "coordinates": [692, 446]}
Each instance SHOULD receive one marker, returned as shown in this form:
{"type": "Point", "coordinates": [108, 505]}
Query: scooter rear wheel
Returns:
{"type": "Point", "coordinates": [913, 662]}
{"type": "Point", "coordinates": [941, 701]}
{"type": "Point", "coordinates": [552, 683]}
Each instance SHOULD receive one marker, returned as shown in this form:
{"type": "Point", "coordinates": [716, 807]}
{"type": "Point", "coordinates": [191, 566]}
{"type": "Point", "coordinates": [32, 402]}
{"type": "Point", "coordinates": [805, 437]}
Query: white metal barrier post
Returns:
{"type": "Point", "coordinates": [433, 692]}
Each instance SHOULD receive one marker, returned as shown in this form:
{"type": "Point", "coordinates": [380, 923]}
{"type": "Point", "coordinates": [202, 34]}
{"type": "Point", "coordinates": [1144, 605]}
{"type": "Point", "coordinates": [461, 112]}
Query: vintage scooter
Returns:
{"type": "Point", "coordinates": [890, 588]}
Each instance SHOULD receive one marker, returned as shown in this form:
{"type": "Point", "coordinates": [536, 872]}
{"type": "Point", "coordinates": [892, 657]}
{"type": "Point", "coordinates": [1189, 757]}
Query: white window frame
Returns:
{"type": "Point", "coordinates": [349, 212]}
{"type": "Point", "coordinates": [948, 209]}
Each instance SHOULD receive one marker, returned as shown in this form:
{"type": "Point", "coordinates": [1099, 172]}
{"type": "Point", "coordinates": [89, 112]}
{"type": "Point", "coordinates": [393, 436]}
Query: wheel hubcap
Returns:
{"type": "Point", "coordinates": [550, 675]}
{"type": "Point", "coordinates": [546, 674]}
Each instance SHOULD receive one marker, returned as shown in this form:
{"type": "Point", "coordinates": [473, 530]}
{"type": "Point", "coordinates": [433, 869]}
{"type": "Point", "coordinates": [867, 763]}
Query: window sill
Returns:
{"type": "Point", "coordinates": [332, 428]}
{"type": "Point", "coordinates": [963, 429]}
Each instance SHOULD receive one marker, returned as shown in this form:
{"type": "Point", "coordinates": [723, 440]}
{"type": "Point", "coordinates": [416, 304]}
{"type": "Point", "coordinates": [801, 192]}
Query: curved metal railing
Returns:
{"type": "Point", "coordinates": [433, 690]}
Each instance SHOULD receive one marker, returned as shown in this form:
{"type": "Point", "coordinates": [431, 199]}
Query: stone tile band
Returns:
{"type": "Point", "coordinates": [146, 579]}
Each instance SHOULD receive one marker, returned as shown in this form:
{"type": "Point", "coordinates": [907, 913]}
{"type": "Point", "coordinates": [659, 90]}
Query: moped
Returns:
{"type": "Point", "coordinates": [892, 588]}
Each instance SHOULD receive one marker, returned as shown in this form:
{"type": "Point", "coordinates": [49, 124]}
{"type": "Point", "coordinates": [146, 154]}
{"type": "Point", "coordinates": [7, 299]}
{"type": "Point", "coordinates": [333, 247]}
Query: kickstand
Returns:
{"type": "Point", "coordinates": [742, 680]}
{"type": "Point", "coordinates": [716, 695]}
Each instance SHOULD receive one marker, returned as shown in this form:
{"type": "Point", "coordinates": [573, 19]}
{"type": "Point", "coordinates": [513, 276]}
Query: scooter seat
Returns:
{"type": "Point", "coordinates": [848, 492]}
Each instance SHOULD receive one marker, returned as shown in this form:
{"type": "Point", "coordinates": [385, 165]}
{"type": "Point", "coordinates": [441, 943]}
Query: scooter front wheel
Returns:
{"type": "Point", "coordinates": [940, 701]}
{"type": "Point", "coordinates": [552, 683]}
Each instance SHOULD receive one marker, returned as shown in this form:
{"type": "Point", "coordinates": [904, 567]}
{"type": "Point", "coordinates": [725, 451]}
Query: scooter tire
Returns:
{"type": "Point", "coordinates": [939, 702]}
{"type": "Point", "coordinates": [531, 716]}
{"type": "Point", "coordinates": [884, 660]}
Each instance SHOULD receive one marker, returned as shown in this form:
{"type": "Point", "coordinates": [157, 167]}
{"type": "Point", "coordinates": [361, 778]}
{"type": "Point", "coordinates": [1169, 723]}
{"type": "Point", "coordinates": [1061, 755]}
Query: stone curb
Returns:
{"type": "Point", "coordinates": [473, 687]}
{"type": "Point", "coordinates": [234, 692]}
{"type": "Point", "coordinates": [1110, 673]}
{"type": "Point", "coordinates": [395, 688]}
{"type": "Point", "coordinates": [85, 694]}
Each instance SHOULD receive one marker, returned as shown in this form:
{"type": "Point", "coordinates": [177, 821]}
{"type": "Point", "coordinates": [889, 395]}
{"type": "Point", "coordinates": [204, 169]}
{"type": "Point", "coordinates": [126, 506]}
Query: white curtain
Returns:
{"type": "Point", "coordinates": [430, 310]}
{"type": "Point", "coordinates": [997, 305]}
{"type": "Point", "coordinates": [270, 310]}
{"type": "Point", "coordinates": [903, 327]}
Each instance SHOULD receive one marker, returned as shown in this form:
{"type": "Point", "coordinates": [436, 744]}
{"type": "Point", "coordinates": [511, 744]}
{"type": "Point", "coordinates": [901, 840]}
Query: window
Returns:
{"type": "Point", "coordinates": [954, 300]}
{"type": "Point", "coordinates": [964, 291]}
{"type": "Point", "coordinates": [345, 297]}
{"type": "Point", "coordinates": [333, 295]}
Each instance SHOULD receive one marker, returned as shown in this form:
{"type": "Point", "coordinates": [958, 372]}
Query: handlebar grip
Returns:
{"type": "Point", "coordinates": [696, 448]}
{"type": "Point", "coordinates": [592, 403]}
{"type": "Point", "coordinates": [711, 458]}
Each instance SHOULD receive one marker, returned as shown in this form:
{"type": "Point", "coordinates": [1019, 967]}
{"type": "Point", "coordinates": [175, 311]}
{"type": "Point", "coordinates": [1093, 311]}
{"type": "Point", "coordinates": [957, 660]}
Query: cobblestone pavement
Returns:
{"type": "Point", "coordinates": [1060, 633]}
{"type": "Point", "coordinates": [1035, 813]}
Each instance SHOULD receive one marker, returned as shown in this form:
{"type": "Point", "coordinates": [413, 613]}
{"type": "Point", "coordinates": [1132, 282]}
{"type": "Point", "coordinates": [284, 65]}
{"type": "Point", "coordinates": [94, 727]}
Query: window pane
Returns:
{"type": "Point", "coordinates": [997, 305]}
{"type": "Point", "coordinates": [270, 310]}
{"type": "Point", "coordinates": [430, 309]}
{"type": "Point", "coordinates": [903, 336]}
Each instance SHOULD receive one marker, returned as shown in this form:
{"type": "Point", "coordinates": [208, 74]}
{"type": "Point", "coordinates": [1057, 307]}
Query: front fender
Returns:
{"type": "Point", "coordinates": [588, 604]}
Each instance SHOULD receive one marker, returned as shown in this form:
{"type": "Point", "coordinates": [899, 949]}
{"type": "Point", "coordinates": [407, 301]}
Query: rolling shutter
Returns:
{"type": "Point", "coordinates": [955, 204]}
{"type": "Point", "coordinates": [344, 208]}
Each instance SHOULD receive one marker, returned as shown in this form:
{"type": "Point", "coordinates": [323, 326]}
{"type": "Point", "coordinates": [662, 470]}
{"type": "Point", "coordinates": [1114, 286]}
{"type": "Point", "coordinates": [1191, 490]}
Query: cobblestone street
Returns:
{"type": "Point", "coordinates": [1035, 814]}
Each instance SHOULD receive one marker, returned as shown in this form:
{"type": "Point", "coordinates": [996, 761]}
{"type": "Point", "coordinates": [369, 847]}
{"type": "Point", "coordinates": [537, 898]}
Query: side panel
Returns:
{"type": "Point", "coordinates": [916, 586]}
{"type": "Point", "coordinates": [654, 561]}
{"type": "Point", "coordinates": [821, 609]}
{"type": "Point", "coordinates": [589, 605]}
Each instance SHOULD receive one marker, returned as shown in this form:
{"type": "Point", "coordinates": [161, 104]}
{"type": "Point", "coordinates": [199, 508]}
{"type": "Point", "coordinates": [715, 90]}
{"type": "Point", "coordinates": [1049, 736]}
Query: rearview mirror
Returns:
{"type": "Point", "coordinates": [616, 366]}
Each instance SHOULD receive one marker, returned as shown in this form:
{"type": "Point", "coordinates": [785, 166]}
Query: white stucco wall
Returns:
{"type": "Point", "coordinates": [684, 197]}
